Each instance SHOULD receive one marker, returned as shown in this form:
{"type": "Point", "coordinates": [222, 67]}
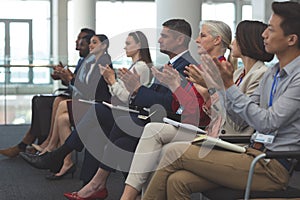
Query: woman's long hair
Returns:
{"type": "Point", "coordinates": [139, 37]}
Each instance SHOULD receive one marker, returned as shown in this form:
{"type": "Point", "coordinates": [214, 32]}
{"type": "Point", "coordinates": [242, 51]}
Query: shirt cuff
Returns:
{"type": "Point", "coordinates": [233, 92]}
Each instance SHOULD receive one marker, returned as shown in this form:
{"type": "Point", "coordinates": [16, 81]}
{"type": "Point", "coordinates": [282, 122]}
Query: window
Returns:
{"type": "Point", "coordinates": [25, 38]}
{"type": "Point", "coordinates": [115, 18]}
{"type": "Point", "coordinates": [247, 12]}
{"type": "Point", "coordinates": [39, 12]}
{"type": "Point", "coordinates": [219, 11]}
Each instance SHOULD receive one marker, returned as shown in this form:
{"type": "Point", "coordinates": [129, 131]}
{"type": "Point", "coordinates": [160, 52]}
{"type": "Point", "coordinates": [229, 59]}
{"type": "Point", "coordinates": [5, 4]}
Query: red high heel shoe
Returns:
{"type": "Point", "coordinates": [100, 194]}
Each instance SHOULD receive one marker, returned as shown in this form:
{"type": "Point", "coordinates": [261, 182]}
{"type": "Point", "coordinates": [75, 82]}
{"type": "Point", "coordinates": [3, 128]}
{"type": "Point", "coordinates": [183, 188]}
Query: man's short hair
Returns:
{"type": "Point", "coordinates": [87, 38]}
{"type": "Point", "coordinates": [88, 31]}
{"type": "Point", "coordinates": [181, 26]}
{"type": "Point", "coordinates": [290, 14]}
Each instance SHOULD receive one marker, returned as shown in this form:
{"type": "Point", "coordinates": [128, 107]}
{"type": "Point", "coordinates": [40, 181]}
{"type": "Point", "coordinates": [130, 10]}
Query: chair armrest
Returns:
{"type": "Point", "coordinates": [242, 139]}
{"type": "Point", "coordinates": [268, 154]}
{"type": "Point", "coordinates": [283, 154]}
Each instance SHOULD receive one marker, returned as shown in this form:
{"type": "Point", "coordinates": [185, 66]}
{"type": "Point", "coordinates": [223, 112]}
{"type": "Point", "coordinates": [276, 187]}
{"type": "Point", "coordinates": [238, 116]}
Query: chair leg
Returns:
{"type": "Point", "coordinates": [250, 174]}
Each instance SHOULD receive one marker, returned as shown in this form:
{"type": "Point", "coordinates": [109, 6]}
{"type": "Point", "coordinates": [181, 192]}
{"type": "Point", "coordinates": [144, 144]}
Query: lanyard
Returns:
{"type": "Point", "coordinates": [239, 80]}
{"type": "Point", "coordinates": [274, 86]}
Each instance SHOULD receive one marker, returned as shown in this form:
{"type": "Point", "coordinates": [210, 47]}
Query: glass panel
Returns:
{"type": "Point", "coordinates": [2, 41]}
{"type": "Point", "coordinates": [18, 109]}
{"type": "Point", "coordinates": [123, 13]}
{"type": "Point", "coordinates": [19, 51]}
{"type": "Point", "coordinates": [39, 12]}
{"type": "Point", "coordinates": [41, 75]}
{"type": "Point", "coordinates": [2, 72]}
{"type": "Point", "coordinates": [2, 51]}
{"type": "Point", "coordinates": [19, 74]}
{"type": "Point", "coordinates": [216, 12]}
{"type": "Point", "coordinates": [247, 12]}
{"type": "Point", "coordinates": [19, 43]}
{"type": "Point", "coordinates": [18, 106]}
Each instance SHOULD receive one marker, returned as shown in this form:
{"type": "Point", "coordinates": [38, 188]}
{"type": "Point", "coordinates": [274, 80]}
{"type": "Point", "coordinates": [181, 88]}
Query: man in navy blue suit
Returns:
{"type": "Point", "coordinates": [174, 41]}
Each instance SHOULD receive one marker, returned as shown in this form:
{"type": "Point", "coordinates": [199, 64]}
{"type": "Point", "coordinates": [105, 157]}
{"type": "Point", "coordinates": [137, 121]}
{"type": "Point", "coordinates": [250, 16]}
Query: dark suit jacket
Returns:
{"type": "Point", "coordinates": [159, 94]}
{"type": "Point", "coordinates": [95, 88]}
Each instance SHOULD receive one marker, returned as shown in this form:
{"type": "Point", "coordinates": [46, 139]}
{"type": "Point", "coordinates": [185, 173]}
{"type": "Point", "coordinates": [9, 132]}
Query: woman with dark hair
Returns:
{"type": "Point", "coordinates": [136, 47]}
{"type": "Point", "coordinates": [87, 85]}
{"type": "Point", "coordinates": [253, 55]}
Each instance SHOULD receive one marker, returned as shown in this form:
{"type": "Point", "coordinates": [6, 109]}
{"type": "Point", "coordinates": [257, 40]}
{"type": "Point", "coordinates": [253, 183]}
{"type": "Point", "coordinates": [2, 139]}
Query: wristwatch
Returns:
{"type": "Point", "coordinates": [211, 91]}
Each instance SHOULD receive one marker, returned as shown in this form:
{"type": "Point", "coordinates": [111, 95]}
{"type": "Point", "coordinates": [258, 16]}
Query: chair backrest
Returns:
{"type": "Point", "coordinates": [297, 167]}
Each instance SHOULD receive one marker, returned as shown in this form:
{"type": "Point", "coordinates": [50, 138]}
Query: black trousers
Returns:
{"type": "Point", "coordinates": [41, 116]}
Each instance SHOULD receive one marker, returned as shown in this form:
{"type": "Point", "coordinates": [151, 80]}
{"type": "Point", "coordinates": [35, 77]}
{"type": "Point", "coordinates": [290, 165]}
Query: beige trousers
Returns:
{"type": "Point", "coordinates": [150, 148]}
{"type": "Point", "coordinates": [200, 169]}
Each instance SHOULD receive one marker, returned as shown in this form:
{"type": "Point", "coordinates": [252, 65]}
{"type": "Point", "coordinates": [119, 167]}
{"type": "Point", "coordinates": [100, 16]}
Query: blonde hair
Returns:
{"type": "Point", "coordinates": [219, 28]}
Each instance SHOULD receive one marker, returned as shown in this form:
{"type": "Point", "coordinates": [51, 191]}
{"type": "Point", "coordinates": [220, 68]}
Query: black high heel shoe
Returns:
{"type": "Point", "coordinates": [71, 171]}
{"type": "Point", "coordinates": [49, 160]}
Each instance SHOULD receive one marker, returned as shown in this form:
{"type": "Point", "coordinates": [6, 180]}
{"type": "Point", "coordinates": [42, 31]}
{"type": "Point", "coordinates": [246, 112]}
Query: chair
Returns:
{"type": "Point", "coordinates": [290, 192]}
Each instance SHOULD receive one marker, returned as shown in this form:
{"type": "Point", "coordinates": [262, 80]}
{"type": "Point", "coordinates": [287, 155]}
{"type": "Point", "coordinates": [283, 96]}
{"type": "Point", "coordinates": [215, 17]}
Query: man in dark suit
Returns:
{"type": "Point", "coordinates": [174, 42]}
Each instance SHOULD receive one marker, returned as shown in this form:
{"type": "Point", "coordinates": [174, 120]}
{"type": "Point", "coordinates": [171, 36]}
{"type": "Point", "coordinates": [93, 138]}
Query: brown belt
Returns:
{"type": "Point", "coordinates": [258, 146]}
{"type": "Point", "coordinates": [284, 162]}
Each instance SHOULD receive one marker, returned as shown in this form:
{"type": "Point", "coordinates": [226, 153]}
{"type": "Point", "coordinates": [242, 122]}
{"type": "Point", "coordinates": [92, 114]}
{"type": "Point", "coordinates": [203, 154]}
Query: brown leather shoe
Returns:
{"type": "Point", "coordinates": [31, 149]}
{"type": "Point", "coordinates": [28, 138]}
{"type": "Point", "coordinates": [11, 151]}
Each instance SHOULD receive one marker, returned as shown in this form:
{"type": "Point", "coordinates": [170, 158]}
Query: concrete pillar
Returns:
{"type": "Point", "coordinates": [59, 34]}
{"type": "Point", "coordinates": [190, 10]}
{"type": "Point", "coordinates": [60, 31]}
{"type": "Point", "coordinates": [238, 12]}
{"type": "Point", "coordinates": [261, 10]}
{"type": "Point", "coordinates": [84, 15]}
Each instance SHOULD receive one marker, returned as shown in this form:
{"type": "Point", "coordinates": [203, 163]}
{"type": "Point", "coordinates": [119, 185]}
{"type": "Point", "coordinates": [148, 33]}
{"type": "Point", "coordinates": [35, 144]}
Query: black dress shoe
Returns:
{"type": "Point", "coordinates": [71, 171]}
{"type": "Point", "coordinates": [45, 161]}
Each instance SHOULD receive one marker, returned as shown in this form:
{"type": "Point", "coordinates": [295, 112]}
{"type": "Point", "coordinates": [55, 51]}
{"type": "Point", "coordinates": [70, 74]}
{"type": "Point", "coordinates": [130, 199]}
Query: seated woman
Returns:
{"type": "Point", "coordinates": [270, 111]}
{"type": "Point", "coordinates": [52, 141]}
{"type": "Point", "coordinates": [137, 48]}
{"type": "Point", "coordinates": [88, 86]}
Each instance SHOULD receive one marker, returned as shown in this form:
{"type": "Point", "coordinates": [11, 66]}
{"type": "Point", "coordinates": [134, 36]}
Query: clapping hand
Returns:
{"type": "Point", "coordinates": [131, 79]}
{"type": "Point", "coordinates": [56, 71]}
{"type": "Point", "coordinates": [108, 74]}
{"type": "Point", "coordinates": [215, 73]}
{"type": "Point", "coordinates": [168, 76]}
{"type": "Point", "coordinates": [66, 75]}
{"type": "Point", "coordinates": [194, 75]}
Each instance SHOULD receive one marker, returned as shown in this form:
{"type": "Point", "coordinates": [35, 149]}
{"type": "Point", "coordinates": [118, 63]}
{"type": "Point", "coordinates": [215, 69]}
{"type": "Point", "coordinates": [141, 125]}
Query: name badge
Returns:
{"type": "Point", "coordinates": [262, 138]}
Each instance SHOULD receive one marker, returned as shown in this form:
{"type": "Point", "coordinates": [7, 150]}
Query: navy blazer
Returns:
{"type": "Point", "coordinates": [159, 94]}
